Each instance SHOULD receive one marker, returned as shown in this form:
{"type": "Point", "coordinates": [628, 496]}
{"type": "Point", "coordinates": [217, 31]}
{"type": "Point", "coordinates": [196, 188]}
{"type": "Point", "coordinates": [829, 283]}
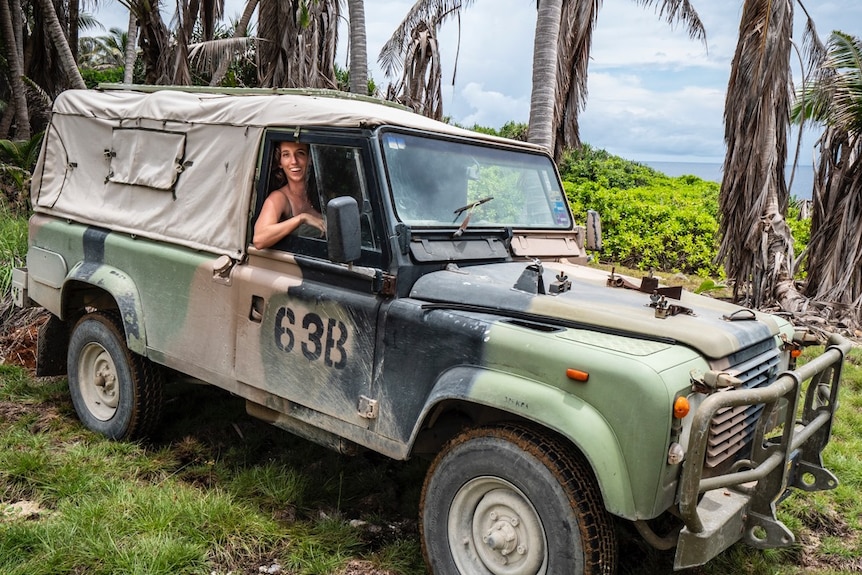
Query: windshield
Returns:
{"type": "Point", "coordinates": [437, 183]}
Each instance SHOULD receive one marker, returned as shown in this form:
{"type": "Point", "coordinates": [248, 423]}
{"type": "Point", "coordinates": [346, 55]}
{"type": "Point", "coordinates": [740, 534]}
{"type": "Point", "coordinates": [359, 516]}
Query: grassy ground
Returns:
{"type": "Point", "coordinates": [219, 492]}
{"type": "Point", "coordinates": [215, 491]}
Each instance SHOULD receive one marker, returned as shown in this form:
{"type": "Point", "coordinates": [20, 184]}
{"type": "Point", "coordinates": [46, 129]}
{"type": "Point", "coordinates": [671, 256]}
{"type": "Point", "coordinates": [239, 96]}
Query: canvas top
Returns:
{"type": "Point", "coordinates": [179, 165]}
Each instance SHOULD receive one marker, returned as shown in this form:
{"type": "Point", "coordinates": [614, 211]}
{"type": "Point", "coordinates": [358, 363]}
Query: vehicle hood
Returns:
{"type": "Point", "coordinates": [591, 303]}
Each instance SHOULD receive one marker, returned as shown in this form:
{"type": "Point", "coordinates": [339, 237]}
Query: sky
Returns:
{"type": "Point", "coordinates": [654, 94]}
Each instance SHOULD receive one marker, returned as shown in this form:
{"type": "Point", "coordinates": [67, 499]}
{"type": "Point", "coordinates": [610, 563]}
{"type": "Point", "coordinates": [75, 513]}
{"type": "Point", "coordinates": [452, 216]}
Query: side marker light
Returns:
{"type": "Point", "coordinates": [681, 407]}
{"type": "Point", "coordinates": [577, 375]}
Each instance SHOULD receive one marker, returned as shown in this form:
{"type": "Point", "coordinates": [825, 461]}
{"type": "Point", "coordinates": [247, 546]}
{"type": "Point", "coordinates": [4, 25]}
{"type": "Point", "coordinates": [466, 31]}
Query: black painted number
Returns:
{"type": "Point", "coordinates": [319, 337]}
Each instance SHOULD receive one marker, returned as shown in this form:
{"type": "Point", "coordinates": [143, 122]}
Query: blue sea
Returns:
{"type": "Point", "coordinates": [803, 180]}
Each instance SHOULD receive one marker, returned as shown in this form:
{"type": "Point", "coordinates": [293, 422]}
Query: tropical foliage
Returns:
{"type": "Point", "coordinates": [17, 159]}
{"type": "Point", "coordinates": [649, 220]}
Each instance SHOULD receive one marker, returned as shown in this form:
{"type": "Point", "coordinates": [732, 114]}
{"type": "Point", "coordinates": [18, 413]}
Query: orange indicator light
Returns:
{"type": "Point", "coordinates": [681, 407]}
{"type": "Point", "coordinates": [577, 374]}
{"type": "Point", "coordinates": [796, 352]}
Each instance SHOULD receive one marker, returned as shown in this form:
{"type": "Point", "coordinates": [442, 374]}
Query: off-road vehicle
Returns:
{"type": "Point", "coordinates": [446, 313]}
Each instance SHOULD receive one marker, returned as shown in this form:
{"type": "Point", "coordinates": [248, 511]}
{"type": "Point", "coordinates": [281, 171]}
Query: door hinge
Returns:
{"type": "Point", "coordinates": [367, 407]}
{"type": "Point", "coordinates": [384, 284]}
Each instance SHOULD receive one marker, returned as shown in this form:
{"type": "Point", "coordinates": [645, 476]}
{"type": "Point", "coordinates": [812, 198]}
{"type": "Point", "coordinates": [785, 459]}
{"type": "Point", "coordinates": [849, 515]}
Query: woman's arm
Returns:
{"type": "Point", "coordinates": [268, 229]}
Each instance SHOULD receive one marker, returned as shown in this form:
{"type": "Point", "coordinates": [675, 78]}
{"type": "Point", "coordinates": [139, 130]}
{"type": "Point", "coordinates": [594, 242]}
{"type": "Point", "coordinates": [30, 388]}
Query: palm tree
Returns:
{"type": "Point", "coordinates": [756, 244]}
{"type": "Point", "coordinates": [207, 14]}
{"type": "Point", "coordinates": [545, 62]}
{"type": "Point", "coordinates": [577, 21]}
{"type": "Point", "coordinates": [55, 31]}
{"type": "Point", "coordinates": [130, 50]}
{"type": "Point", "coordinates": [103, 51]}
{"type": "Point", "coordinates": [154, 40]}
{"type": "Point", "coordinates": [14, 58]}
{"type": "Point", "coordinates": [835, 250]}
{"type": "Point", "coordinates": [358, 47]}
{"type": "Point", "coordinates": [413, 52]}
{"type": "Point", "coordinates": [221, 53]}
{"type": "Point", "coordinates": [17, 159]}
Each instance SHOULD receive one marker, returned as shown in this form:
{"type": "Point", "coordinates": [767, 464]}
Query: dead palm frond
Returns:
{"type": "Point", "coordinates": [756, 245]}
{"type": "Point", "coordinates": [435, 12]}
{"type": "Point", "coordinates": [834, 99]}
{"type": "Point", "coordinates": [217, 54]}
{"type": "Point", "coordinates": [578, 19]}
{"type": "Point", "coordinates": [674, 11]}
{"type": "Point", "coordinates": [298, 43]}
{"type": "Point", "coordinates": [420, 84]}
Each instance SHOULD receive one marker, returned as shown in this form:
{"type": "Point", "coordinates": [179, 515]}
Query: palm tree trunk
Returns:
{"type": "Point", "coordinates": [541, 129]}
{"type": "Point", "coordinates": [61, 43]}
{"type": "Point", "coordinates": [131, 50]}
{"type": "Point", "coordinates": [358, 48]}
{"type": "Point", "coordinates": [16, 73]}
{"type": "Point", "coordinates": [74, 14]}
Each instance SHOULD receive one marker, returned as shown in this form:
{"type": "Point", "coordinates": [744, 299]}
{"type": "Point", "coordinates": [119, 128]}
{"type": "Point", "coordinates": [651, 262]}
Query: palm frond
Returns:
{"type": "Point", "coordinates": [212, 54]}
{"type": "Point", "coordinates": [756, 245]}
{"type": "Point", "coordinates": [434, 11]}
{"type": "Point", "coordinates": [674, 11]}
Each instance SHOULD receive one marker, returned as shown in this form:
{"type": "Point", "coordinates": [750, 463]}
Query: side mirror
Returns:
{"type": "Point", "coordinates": [343, 231]}
{"type": "Point", "coordinates": [594, 231]}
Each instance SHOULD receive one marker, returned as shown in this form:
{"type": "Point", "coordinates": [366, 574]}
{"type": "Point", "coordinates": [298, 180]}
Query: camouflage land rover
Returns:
{"type": "Point", "coordinates": [446, 312]}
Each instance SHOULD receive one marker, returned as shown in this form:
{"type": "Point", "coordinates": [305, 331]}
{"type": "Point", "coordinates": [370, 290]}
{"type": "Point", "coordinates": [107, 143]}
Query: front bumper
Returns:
{"type": "Point", "coordinates": [719, 511]}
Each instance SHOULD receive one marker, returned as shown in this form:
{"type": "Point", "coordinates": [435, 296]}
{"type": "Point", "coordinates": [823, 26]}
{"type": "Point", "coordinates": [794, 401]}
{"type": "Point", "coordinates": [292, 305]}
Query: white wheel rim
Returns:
{"type": "Point", "coordinates": [494, 529]}
{"type": "Point", "coordinates": [97, 381]}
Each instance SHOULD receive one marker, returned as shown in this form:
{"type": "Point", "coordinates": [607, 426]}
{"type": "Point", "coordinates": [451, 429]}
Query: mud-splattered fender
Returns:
{"type": "Point", "coordinates": [124, 291]}
{"type": "Point", "coordinates": [552, 408]}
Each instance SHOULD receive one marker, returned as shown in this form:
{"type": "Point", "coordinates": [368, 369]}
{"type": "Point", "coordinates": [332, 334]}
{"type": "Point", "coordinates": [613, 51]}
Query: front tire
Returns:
{"type": "Point", "coordinates": [513, 501]}
{"type": "Point", "coordinates": [115, 392]}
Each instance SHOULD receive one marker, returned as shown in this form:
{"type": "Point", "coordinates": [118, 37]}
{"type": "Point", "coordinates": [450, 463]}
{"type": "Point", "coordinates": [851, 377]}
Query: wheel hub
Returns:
{"type": "Point", "coordinates": [97, 380]}
{"type": "Point", "coordinates": [498, 530]}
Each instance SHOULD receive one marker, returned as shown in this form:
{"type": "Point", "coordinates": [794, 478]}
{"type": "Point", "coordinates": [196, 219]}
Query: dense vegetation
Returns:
{"type": "Point", "coordinates": [649, 220]}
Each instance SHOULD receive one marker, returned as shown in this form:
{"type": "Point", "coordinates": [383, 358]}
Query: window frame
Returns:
{"type": "Point", "coordinates": [317, 247]}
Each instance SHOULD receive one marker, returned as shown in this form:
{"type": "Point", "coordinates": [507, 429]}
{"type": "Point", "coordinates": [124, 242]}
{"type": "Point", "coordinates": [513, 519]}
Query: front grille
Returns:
{"type": "Point", "coordinates": [732, 428]}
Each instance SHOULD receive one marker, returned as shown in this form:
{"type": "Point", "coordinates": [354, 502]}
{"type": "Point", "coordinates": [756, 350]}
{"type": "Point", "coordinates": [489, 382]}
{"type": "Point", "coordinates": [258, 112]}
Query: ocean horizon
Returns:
{"type": "Point", "coordinates": [803, 180]}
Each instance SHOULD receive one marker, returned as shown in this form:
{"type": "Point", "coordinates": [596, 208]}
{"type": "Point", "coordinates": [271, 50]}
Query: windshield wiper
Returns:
{"type": "Point", "coordinates": [469, 209]}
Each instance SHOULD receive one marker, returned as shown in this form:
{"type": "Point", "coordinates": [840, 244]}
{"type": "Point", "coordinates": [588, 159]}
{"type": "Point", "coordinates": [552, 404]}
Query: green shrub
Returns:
{"type": "Point", "coordinates": [649, 220]}
{"type": "Point", "coordinates": [93, 78]}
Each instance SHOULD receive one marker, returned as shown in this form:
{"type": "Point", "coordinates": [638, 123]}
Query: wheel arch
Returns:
{"type": "Point", "coordinates": [102, 286]}
{"type": "Point", "coordinates": [475, 396]}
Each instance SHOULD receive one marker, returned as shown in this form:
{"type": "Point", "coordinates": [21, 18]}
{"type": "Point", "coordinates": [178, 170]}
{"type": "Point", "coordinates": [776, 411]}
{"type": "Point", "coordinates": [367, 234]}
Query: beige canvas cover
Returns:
{"type": "Point", "coordinates": [179, 166]}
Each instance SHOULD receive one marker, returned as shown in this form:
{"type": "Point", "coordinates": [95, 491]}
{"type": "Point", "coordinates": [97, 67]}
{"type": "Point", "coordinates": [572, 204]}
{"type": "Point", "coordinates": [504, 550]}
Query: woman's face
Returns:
{"type": "Point", "coordinates": [293, 159]}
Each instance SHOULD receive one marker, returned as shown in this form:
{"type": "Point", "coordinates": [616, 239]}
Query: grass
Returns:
{"type": "Point", "coordinates": [13, 245]}
{"type": "Point", "coordinates": [219, 492]}
{"type": "Point", "coordinates": [216, 491]}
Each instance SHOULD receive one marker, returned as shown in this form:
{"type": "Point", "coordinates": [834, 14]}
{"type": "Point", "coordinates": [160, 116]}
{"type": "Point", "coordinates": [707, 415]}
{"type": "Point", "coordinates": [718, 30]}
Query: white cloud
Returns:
{"type": "Point", "coordinates": [628, 119]}
{"type": "Point", "coordinates": [486, 107]}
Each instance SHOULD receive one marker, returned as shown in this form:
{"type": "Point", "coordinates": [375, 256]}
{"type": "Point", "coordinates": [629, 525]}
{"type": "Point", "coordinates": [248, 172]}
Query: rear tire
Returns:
{"type": "Point", "coordinates": [115, 392]}
{"type": "Point", "coordinates": [513, 501]}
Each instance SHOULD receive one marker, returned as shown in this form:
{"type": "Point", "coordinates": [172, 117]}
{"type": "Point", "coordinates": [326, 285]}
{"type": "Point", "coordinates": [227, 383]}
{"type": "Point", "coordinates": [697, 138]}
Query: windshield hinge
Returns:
{"type": "Point", "coordinates": [403, 232]}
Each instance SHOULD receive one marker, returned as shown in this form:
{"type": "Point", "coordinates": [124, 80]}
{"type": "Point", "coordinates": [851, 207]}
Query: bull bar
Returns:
{"type": "Point", "coordinates": [741, 503]}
